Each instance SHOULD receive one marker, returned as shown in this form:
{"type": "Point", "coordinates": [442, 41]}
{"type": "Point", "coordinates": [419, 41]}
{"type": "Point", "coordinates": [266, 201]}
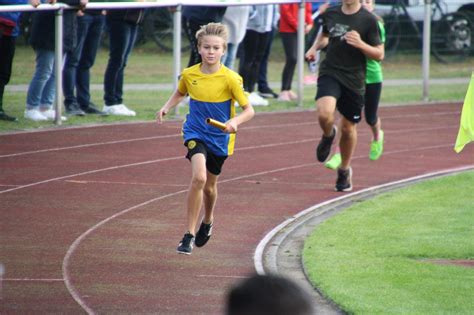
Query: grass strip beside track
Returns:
{"type": "Point", "coordinates": [376, 257]}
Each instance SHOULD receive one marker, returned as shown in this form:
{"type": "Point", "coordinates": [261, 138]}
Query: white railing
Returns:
{"type": "Point", "coordinates": [59, 7]}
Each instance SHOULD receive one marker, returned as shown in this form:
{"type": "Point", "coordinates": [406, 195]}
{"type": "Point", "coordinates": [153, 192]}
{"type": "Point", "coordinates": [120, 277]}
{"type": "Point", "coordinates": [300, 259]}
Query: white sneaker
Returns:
{"type": "Point", "coordinates": [50, 114]}
{"type": "Point", "coordinates": [257, 100]}
{"type": "Point", "coordinates": [35, 115]}
{"type": "Point", "coordinates": [119, 110]}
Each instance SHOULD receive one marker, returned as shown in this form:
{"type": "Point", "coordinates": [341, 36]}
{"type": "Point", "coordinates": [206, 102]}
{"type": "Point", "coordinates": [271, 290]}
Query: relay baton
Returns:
{"type": "Point", "coordinates": [215, 123]}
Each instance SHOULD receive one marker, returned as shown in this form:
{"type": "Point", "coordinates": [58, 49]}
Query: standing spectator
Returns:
{"type": "Point", "coordinates": [268, 294]}
{"type": "Point", "coordinates": [122, 25]}
{"type": "Point", "coordinates": [289, 38]}
{"type": "Point", "coordinates": [9, 30]}
{"type": "Point", "coordinates": [42, 89]}
{"type": "Point", "coordinates": [76, 73]}
{"type": "Point", "coordinates": [193, 18]}
{"type": "Point", "coordinates": [256, 38]}
{"type": "Point", "coordinates": [351, 36]}
{"type": "Point", "coordinates": [236, 18]}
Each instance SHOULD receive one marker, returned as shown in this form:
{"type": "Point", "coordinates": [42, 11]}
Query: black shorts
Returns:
{"type": "Point", "coordinates": [213, 162]}
{"type": "Point", "coordinates": [349, 103]}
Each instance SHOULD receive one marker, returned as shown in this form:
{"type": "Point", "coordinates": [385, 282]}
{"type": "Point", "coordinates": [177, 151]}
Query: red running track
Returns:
{"type": "Point", "coordinates": [91, 216]}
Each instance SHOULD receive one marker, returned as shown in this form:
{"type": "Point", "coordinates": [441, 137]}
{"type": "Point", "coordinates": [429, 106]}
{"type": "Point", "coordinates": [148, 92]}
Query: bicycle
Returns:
{"type": "Point", "coordinates": [157, 26]}
{"type": "Point", "coordinates": [451, 34]}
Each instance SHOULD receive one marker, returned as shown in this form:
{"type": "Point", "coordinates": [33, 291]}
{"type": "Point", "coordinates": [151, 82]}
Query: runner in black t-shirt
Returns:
{"type": "Point", "coordinates": [350, 34]}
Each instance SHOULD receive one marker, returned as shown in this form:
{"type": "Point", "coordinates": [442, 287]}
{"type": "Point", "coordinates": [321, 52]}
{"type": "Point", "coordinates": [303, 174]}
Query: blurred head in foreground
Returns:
{"type": "Point", "coordinates": [268, 294]}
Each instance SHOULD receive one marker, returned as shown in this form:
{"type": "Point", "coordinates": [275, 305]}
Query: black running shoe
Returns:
{"type": "Point", "coordinates": [73, 109]}
{"type": "Point", "coordinates": [186, 244]}
{"type": "Point", "coordinates": [92, 109]}
{"type": "Point", "coordinates": [324, 147]}
{"type": "Point", "coordinates": [6, 117]}
{"type": "Point", "coordinates": [344, 180]}
{"type": "Point", "coordinates": [204, 234]}
{"type": "Point", "coordinates": [267, 92]}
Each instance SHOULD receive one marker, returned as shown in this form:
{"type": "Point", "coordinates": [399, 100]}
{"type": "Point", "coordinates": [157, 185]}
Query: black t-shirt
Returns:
{"type": "Point", "coordinates": [344, 62]}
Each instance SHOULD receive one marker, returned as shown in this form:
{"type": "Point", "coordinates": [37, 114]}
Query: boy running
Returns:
{"type": "Point", "coordinates": [351, 35]}
{"type": "Point", "coordinates": [213, 89]}
{"type": "Point", "coordinates": [373, 90]}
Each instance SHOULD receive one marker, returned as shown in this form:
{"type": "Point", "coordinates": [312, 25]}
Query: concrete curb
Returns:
{"type": "Point", "coordinates": [280, 251]}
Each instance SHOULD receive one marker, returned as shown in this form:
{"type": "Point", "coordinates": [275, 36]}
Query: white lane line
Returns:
{"type": "Point", "coordinates": [72, 290]}
{"type": "Point", "coordinates": [137, 164]}
{"type": "Point", "coordinates": [121, 183]}
{"type": "Point", "coordinates": [32, 280]}
{"type": "Point", "coordinates": [90, 172]}
{"type": "Point", "coordinates": [249, 128]}
{"type": "Point", "coordinates": [180, 157]}
{"type": "Point", "coordinates": [217, 276]}
{"type": "Point", "coordinates": [65, 267]}
{"type": "Point", "coordinates": [80, 146]}
{"type": "Point", "coordinates": [70, 287]}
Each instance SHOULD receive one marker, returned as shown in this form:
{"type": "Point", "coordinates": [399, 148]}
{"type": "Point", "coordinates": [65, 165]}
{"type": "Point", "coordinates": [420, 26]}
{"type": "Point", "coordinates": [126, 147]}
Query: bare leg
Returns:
{"type": "Point", "coordinates": [348, 141]}
{"type": "Point", "coordinates": [210, 197]}
{"type": "Point", "coordinates": [325, 107]}
{"type": "Point", "coordinates": [195, 193]}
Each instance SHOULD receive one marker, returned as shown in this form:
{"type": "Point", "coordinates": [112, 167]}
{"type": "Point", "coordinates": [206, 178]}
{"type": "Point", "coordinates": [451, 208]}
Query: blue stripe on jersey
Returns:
{"type": "Point", "coordinates": [195, 126]}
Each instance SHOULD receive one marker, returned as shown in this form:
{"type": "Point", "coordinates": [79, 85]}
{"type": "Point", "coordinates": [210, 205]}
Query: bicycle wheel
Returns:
{"type": "Point", "coordinates": [159, 27]}
{"type": "Point", "coordinates": [392, 34]}
{"type": "Point", "coordinates": [451, 39]}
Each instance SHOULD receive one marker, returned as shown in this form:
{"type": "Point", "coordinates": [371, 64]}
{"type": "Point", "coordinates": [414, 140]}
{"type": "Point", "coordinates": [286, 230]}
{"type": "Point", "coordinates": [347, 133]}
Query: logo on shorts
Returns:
{"type": "Point", "coordinates": [191, 144]}
{"type": "Point", "coordinates": [356, 117]}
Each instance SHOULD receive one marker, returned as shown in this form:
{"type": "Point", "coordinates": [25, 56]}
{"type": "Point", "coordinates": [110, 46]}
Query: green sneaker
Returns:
{"type": "Point", "coordinates": [334, 161]}
{"type": "Point", "coordinates": [376, 147]}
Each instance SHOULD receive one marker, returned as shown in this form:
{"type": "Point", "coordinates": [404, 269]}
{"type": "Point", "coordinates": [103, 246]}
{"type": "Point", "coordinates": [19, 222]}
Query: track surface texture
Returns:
{"type": "Point", "coordinates": [90, 217]}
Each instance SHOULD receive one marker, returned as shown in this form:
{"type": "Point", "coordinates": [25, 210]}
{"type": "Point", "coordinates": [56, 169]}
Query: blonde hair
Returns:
{"type": "Point", "coordinates": [213, 29]}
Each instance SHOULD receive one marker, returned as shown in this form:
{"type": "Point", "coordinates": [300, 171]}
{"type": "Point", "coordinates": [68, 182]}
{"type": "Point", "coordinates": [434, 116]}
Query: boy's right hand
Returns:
{"type": "Point", "coordinates": [310, 55]}
{"type": "Point", "coordinates": [159, 115]}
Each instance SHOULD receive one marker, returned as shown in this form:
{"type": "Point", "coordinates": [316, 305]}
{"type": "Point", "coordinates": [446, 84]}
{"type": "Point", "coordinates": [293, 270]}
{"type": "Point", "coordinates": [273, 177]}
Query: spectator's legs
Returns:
{"type": "Point", "coordinates": [229, 58]}
{"type": "Point", "coordinates": [94, 25]}
{"type": "Point", "coordinates": [7, 49]}
{"type": "Point", "coordinates": [122, 38]}
{"type": "Point", "coordinates": [49, 91]}
{"type": "Point", "coordinates": [70, 66]}
{"type": "Point", "coordinates": [191, 28]}
{"type": "Point", "coordinates": [133, 31]}
{"type": "Point", "coordinates": [41, 80]}
{"type": "Point", "coordinates": [290, 46]}
{"type": "Point", "coordinates": [262, 73]}
{"type": "Point", "coordinates": [254, 46]}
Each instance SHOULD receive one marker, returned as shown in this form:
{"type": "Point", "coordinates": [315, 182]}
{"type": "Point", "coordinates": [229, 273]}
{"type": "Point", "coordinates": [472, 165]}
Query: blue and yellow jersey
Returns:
{"type": "Point", "coordinates": [211, 96]}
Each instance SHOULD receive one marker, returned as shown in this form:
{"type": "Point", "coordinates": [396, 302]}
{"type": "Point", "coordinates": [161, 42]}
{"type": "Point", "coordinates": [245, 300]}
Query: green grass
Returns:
{"type": "Point", "coordinates": [149, 65]}
{"type": "Point", "coordinates": [373, 258]}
